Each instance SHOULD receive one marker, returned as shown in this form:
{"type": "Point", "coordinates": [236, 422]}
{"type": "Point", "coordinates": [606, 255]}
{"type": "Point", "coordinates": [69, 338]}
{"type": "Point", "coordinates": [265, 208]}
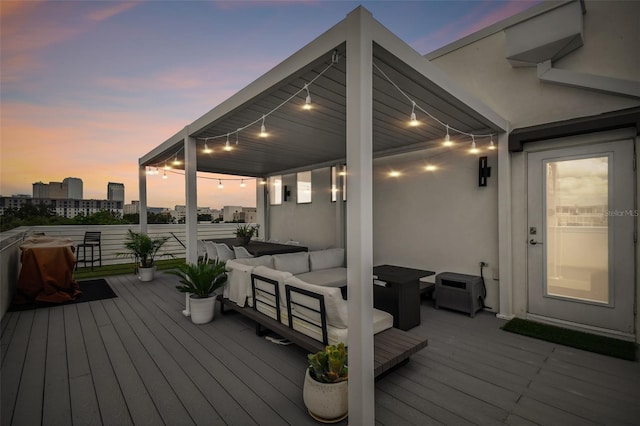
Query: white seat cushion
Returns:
{"type": "Point", "coordinates": [272, 274]}
{"type": "Point", "coordinates": [326, 259]}
{"type": "Point", "coordinates": [335, 305]}
{"type": "Point", "coordinates": [334, 277]}
{"type": "Point", "coordinates": [296, 263]}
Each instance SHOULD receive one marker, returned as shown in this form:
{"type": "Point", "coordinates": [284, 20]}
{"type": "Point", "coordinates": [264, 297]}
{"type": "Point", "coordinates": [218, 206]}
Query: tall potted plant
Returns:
{"type": "Point", "coordinates": [325, 391]}
{"type": "Point", "coordinates": [201, 280]}
{"type": "Point", "coordinates": [144, 250]}
{"type": "Point", "coordinates": [245, 232]}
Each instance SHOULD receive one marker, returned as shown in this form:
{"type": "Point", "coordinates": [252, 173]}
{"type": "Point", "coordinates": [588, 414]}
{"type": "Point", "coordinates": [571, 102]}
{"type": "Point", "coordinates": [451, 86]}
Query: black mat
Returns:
{"type": "Point", "coordinates": [91, 290]}
{"type": "Point", "coordinates": [576, 339]}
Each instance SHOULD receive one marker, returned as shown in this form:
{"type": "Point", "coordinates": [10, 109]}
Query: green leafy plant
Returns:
{"type": "Point", "coordinates": [247, 230]}
{"type": "Point", "coordinates": [330, 365]}
{"type": "Point", "coordinates": [143, 248]}
{"type": "Point", "coordinates": [201, 279]}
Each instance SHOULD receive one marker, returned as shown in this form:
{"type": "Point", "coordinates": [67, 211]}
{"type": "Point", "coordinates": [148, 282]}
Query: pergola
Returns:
{"type": "Point", "coordinates": [363, 82]}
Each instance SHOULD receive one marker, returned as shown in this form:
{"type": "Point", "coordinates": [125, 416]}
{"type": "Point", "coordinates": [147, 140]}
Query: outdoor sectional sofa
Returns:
{"type": "Point", "coordinates": [299, 296]}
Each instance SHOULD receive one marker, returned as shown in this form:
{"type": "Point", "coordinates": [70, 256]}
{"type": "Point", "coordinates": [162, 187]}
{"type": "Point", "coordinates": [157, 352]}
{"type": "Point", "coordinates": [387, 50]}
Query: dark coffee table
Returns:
{"type": "Point", "coordinates": [397, 290]}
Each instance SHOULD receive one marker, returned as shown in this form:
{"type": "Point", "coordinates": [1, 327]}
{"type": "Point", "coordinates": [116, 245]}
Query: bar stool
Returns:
{"type": "Point", "coordinates": [91, 241]}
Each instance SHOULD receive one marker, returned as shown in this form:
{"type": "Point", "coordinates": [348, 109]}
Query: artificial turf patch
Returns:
{"type": "Point", "coordinates": [575, 339]}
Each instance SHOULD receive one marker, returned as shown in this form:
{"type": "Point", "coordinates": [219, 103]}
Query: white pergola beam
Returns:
{"type": "Point", "coordinates": [191, 189]}
{"type": "Point", "coordinates": [360, 217]}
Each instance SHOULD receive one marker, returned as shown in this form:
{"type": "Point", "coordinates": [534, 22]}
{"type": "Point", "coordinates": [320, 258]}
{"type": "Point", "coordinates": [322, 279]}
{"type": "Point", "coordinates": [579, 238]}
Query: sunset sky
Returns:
{"type": "Point", "coordinates": [88, 87]}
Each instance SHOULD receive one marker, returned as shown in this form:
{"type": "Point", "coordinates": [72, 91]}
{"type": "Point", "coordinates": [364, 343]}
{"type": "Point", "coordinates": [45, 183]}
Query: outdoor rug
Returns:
{"type": "Point", "coordinates": [575, 339]}
{"type": "Point", "coordinates": [91, 290]}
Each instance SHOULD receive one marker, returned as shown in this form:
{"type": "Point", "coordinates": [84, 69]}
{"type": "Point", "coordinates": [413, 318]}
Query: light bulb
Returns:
{"type": "Point", "coordinates": [149, 171]}
{"type": "Point", "coordinates": [220, 185]}
{"type": "Point", "coordinates": [263, 182]}
{"type": "Point", "coordinates": [492, 146]}
{"type": "Point", "coordinates": [206, 149]}
{"type": "Point", "coordinates": [474, 149]}
{"type": "Point", "coordinates": [307, 101]}
{"type": "Point", "coordinates": [430, 168]}
{"type": "Point", "coordinates": [176, 162]}
{"type": "Point", "coordinates": [263, 130]}
{"type": "Point", "coordinates": [227, 146]}
{"type": "Point", "coordinates": [413, 122]}
{"type": "Point", "coordinates": [164, 175]}
{"type": "Point", "coordinates": [242, 184]}
{"type": "Point", "coordinates": [394, 174]}
{"type": "Point", "coordinates": [447, 139]}
{"type": "Point", "coordinates": [166, 166]}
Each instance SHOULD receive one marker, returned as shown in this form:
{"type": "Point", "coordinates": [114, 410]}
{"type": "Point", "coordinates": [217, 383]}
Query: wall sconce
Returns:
{"type": "Point", "coordinates": [484, 171]}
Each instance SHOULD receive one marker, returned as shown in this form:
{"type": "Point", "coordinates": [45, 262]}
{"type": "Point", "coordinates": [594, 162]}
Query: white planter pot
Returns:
{"type": "Point", "coordinates": [202, 310]}
{"type": "Point", "coordinates": [326, 402]}
{"type": "Point", "coordinates": [146, 274]}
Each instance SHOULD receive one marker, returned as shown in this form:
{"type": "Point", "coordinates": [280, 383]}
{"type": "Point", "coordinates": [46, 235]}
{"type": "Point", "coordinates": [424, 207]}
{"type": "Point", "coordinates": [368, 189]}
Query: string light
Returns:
{"type": "Point", "coordinates": [263, 182]}
{"type": "Point", "coordinates": [166, 166]}
{"type": "Point", "coordinates": [263, 130]}
{"type": "Point", "coordinates": [474, 149]}
{"type": "Point", "coordinates": [220, 185]}
{"type": "Point", "coordinates": [206, 149]}
{"type": "Point", "coordinates": [492, 146]}
{"type": "Point", "coordinates": [394, 173]}
{"type": "Point", "coordinates": [307, 101]}
{"type": "Point", "coordinates": [430, 168]}
{"type": "Point", "coordinates": [413, 122]}
{"type": "Point", "coordinates": [176, 162]}
{"type": "Point", "coordinates": [242, 184]}
{"type": "Point", "coordinates": [227, 147]}
{"type": "Point", "coordinates": [164, 175]}
{"type": "Point", "coordinates": [447, 138]}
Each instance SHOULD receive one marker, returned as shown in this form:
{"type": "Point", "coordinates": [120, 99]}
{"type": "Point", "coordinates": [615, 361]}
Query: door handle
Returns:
{"type": "Point", "coordinates": [534, 242]}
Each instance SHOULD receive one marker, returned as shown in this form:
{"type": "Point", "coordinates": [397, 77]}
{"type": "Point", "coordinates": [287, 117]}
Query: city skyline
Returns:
{"type": "Point", "coordinates": [89, 87]}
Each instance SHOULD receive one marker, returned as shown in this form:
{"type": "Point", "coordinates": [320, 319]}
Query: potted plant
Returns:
{"type": "Point", "coordinates": [246, 231]}
{"type": "Point", "coordinates": [144, 250]}
{"type": "Point", "coordinates": [201, 280]}
{"type": "Point", "coordinates": [325, 390]}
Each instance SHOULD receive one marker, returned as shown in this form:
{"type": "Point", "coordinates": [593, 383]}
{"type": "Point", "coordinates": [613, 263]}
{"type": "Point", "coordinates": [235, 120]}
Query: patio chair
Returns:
{"type": "Point", "coordinates": [211, 251]}
{"type": "Point", "coordinates": [202, 252]}
{"type": "Point", "coordinates": [224, 252]}
{"type": "Point", "coordinates": [242, 253]}
{"type": "Point", "coordinates": [91, 241]}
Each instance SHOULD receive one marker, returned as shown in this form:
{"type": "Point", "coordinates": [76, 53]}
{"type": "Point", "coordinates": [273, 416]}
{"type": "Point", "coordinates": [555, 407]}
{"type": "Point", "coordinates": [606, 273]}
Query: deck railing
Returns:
{"type": "Point", "coordinates": [112, 239]}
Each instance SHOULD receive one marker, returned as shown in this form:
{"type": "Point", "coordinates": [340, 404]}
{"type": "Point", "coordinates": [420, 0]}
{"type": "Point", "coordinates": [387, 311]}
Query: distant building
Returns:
{"type": "Point", "coordinates": [180, 211]}
{"type": "Point", "coordinates": [239, 214]}
{"type": "Point", "coordinates": [74, 188]}
{"type": "Point", "coordinates": [134, 208]}
{"type": "Point", "coordinates": [115, 191]}
{"type": "Point", "coordinates": [63, 206]}
{"type": "Point", "coordinates": [40, 190]}
{"type": "Point", "coordinates": [69, 188]}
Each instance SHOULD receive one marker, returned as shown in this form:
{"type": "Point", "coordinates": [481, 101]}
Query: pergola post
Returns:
{"type": "Point", "coordinates": [360, 216]}
{"type": "Point", "coordinates": [142, 193]}
{"type": "Point", "coordinates": [505, 253]}
{"type": "Point", "coordinates": [191, 189]}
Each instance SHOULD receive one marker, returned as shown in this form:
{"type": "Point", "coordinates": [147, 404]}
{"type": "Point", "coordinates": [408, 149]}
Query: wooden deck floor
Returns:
{"type": "Point", "coordinates": [136, 360]}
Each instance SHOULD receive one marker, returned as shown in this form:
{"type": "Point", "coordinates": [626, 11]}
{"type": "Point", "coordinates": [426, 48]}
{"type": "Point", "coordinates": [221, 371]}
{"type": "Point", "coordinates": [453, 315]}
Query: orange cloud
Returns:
{"type": "Point", "coordinates": [108, 12]}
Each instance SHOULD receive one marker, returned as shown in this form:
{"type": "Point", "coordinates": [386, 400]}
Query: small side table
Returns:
{"type": "Point", "coordinates": [397, 290]}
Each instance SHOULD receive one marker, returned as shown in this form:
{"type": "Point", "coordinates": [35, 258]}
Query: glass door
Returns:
{"type": "Point", "coordinates": [581, 251]}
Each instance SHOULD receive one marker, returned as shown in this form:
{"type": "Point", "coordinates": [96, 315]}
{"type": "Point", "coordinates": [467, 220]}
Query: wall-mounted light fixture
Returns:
{"type": "Point", "coordinates": [484, 171]}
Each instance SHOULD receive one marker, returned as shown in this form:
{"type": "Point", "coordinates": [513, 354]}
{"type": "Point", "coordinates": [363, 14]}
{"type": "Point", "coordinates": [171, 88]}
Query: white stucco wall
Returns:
{"type": "Point", "coordinates": [437, 220]}
{"type": "Point", "coordinates": [611, 40]}
{"type": "Point", "coordinates": [312, 224]}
